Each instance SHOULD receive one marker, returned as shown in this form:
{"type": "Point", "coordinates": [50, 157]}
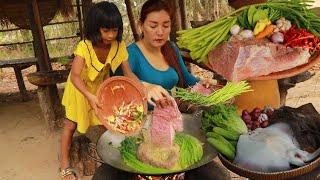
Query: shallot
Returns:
{"type": "Point", "coordinates": [255, 113]}
{"type": "Point", "coordinates": [246, 33]}
{"type": "Point", "coordinates": [235, 29]}
{"type": "Point", "coordinates": [277, 37]}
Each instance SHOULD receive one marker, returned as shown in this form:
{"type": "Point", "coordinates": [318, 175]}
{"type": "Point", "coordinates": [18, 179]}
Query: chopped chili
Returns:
{"type": "Point", "coordinates": [301, 38]}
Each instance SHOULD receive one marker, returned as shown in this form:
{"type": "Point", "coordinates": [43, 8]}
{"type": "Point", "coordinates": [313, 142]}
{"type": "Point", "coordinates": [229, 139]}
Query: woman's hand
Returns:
{"type": "Point", "coordinates": [94, 103]}
{"type": "Point", "coordinates": [206, 82]}
{"type": "Point", "coordinates": [160, 96]}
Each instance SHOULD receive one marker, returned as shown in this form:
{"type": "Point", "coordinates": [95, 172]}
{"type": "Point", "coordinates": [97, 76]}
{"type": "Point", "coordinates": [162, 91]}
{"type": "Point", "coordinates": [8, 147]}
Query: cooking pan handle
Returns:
{"type": "Point", "coordinates": [86, 147]}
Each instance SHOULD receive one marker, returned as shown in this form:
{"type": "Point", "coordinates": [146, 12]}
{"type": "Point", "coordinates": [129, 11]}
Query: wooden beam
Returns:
{"type": "Point", "coordinates": [132, 20]}
{"type": "Point", "coordinates": [40, 46]}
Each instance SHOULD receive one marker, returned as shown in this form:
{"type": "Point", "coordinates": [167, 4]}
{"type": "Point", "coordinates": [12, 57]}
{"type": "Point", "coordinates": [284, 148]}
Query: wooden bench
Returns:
{"type": "Point", "coordinates": [18, 65]}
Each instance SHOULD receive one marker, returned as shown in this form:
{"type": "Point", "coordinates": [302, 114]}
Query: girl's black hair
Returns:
{"type": "Point", "coordinates": [102, 15]}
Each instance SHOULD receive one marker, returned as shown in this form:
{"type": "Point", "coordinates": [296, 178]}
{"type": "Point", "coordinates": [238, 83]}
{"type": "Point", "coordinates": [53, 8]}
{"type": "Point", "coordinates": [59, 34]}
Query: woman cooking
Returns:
{"type": "Point", "coordinates": [156, 61]}
{"type": "Point", "coordinates": [159, 65]}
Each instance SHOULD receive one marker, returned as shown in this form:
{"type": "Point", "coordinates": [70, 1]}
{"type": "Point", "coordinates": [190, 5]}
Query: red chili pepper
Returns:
{"type": "Point", "coordinates": [298, 39]}
{"type": "Point", "coordinates": [316, 44]}
{"type": "Point", "coordinates": [293, 26]}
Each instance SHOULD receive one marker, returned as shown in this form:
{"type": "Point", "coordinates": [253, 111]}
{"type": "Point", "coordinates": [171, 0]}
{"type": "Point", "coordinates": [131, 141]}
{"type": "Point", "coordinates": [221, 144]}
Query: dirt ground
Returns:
{"type": "Point", "coordinates": [30, 152]}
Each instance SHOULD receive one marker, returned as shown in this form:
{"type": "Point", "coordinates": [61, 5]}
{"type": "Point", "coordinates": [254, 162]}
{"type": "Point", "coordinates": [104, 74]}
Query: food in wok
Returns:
{"type": "Point", "coordinates": [163, 147]}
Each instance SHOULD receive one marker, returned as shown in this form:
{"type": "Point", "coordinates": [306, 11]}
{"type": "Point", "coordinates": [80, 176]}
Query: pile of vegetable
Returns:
{"type": "Point", "coordinates": [250, 21]}
{"type": "Point", "coordinates": [301, 38]}
{"type": "Point", "coordinates": [128, 151]}
{"type": "Point", "coordinates": [257, 118]}
{"type": "Point", "coordinates": [126, 118]}
{"type": "Point", "coordinates": [223, 127]}
{"type": "Point", "coordinates": [191, 151]}
{"type": "Point", "coordinates": [224, 94]}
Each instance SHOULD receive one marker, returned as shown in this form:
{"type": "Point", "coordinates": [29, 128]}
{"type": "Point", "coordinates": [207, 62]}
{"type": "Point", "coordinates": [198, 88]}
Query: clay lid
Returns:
{"type": "Point", "coordinates": [113, 93]}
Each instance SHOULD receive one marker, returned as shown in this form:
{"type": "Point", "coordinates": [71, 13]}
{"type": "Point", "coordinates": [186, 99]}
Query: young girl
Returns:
{"type": "Point", "coordinates": [101, 51]}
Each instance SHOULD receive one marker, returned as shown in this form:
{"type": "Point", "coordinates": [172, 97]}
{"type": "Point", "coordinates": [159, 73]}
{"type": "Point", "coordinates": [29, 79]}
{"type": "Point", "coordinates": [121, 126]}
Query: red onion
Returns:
{"type": "Point", "coordinates": [246, 118]}
{"type": "Point", "coordinates": [277, 37]}
{"type": "Point", "coordinates": [264, 123]}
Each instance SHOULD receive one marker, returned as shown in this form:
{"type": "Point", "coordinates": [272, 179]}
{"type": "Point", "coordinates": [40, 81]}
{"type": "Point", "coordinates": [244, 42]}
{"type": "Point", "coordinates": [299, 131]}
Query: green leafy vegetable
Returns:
{"type": "Point", "coordinates": [190, 149]}
{"type": "Point", "coordinates": [224, 94]}
{"type": "Point", "coordinates": [224, 116]}
{"type": "Point", "coordinates": [128, 151]}
{"type": "Point", "coordinates": [260, 14]}
{"type": "Point", "coordinates": [251, 11]}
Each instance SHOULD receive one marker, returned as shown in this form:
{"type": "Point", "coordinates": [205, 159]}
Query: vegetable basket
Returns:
{"type": "Point", "coordinates": [269, 176]}
{"type": "Point", "coordinates": [114, 93]}
{"type": "Point", "coordinates": [189, 107]}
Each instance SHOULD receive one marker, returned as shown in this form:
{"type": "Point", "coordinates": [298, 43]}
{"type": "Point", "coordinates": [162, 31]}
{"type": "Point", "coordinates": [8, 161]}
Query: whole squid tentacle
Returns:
{"type": "Point", "coordinates": [312, 156]}
{"type": "Point", "coordinates": [296, 157]}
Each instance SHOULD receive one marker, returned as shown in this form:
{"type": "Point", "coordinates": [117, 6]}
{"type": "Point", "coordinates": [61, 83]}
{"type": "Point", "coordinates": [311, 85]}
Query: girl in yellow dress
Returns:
{"type": "Point", "coordinates": [101, 51]}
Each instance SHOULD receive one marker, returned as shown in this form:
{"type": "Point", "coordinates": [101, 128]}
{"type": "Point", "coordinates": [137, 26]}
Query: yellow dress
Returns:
{"type": "Point", "coordinates": [93, 74]}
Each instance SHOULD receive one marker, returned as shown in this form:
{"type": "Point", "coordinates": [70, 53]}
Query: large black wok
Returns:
{"type": "Point", "coordinates": [108, 143]}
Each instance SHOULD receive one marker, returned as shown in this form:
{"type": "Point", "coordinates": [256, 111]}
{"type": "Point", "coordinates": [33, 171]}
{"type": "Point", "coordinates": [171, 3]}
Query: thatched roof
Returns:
{"type": "Point", "coordinates": [16, 12]}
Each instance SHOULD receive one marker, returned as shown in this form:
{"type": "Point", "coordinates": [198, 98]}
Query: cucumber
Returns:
{"type": "Point", "coordinates": [222, 148]}
{"type": "Point", "coordinates": [220, 138]}
{"type": "Point", "coordinates": [228, 134]}
{"type": "Point", "coordinates": [234, 143]}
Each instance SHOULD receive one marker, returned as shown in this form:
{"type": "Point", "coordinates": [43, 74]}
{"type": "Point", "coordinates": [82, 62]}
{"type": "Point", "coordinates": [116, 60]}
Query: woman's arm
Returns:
{"type": "Point", "coordinates": [76, 69]}
{"type": "Point", "coordinates": [189, 79]}
{"type": "Point", "coordinates": [152, 91]}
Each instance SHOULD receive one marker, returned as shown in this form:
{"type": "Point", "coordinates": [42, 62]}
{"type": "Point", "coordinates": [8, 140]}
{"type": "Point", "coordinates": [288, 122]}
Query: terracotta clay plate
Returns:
{"type": "Point", "coordinates": [285, 73]}
{"type": "Point", "coordinates": [290, 72]}
{"type": "Point", "coordinates": [124, 105]}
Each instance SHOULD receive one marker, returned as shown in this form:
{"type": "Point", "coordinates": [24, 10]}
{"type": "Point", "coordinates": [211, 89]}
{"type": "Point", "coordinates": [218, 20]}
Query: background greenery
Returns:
{"type": "Point", "coordinates": [197, 10]}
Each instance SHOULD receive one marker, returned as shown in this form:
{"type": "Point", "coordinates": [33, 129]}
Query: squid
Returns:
{"type": "Point", "coordinates": [271, 149]}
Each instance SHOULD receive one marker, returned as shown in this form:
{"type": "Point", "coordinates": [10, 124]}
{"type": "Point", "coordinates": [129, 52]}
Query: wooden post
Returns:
{"type": "Point", "coordinates": [86, 4]}
{"type": "Point", "coordinates": [42, 52]}
{"type": "Point", "coordinates": [176, 22]}
{"type": "Point", "coordinates": [183, 14]}
{"type": "Point", "coordinates": [48, 95]}
{"type": "Point", "coordinates": [22, 87]}
{"type": "Point", "coordinates": [132, 20]}
{"type": "Point", "coordinates": [47, 107]}
{"type": "Point", "coordinates": [79, 19]}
